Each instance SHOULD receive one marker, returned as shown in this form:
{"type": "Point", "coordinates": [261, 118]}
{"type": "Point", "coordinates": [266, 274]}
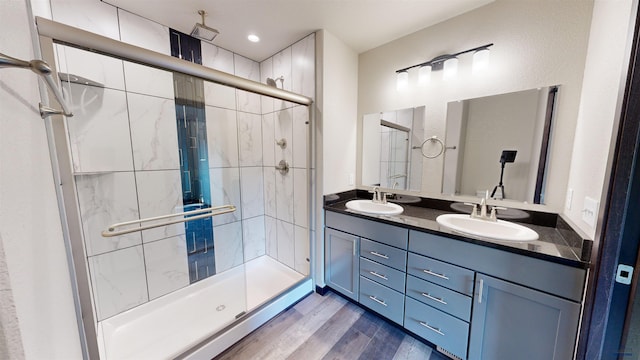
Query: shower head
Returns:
{"type": "Point", "coordinates": [272, 82]}
{"type": "Point", "coordinates": [202, 31]}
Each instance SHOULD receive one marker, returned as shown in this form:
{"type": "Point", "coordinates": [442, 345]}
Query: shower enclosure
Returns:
{"type": "Point", "coordinates": [215, 231]}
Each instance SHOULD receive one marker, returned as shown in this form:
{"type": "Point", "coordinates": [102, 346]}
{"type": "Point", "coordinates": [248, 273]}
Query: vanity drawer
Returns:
{"type": "Point", "coordinates": [447, 275]}
{"type": "Point", "coordinates": [439, 297]}
{"type": "Point", "coordinates": [381, 299]}
{"type": "Point", "coordinates": [384, 233]}
{"type": "Point", "coordinates": [550, 277]}
{"type": "Point", "coordinates": [382, 274]}
{"type": "Point", "coordinates": [441, 329]}
{"type": "Point", "coordinates": [383, 254]}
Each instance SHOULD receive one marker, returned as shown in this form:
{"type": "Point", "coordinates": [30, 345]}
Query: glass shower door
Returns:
{"type": "Point", "coordinates": [139, 150]}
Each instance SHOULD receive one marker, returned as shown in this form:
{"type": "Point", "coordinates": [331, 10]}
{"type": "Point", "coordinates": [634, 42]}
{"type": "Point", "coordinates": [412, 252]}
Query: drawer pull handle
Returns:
{"type": "Point", "coordinates": [441, 276]}
{"type": "Point", "coordinates": [379, 255]}
{"type": "Point", "coordinates": [378, 275]}
{"type": "Point", "coordinates": [378, 301]}
{"type": "Point", "coordinates": [440, 300]}
{"type": "Point", "coordinates": [436, 330]}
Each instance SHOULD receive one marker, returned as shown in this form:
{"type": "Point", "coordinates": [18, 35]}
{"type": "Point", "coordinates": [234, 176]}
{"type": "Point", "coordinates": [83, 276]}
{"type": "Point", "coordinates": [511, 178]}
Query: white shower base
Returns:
{"type": "Point", "coordinates": [168, 326]}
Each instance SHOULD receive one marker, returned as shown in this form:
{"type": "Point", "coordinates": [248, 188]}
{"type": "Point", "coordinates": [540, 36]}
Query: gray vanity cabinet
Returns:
{"type": "Point", "coordinates": [342, 262]}
{"type": "Point", "coordinates": [510, 321]}
{"type": "Point", "coordinates": [374, 273]}
{"type": "Point", "coordinates": [472, 301]}
{"type": "Point", "coordinates": [439, 302]}
{"type": "Point", "coordinates": [523, 307]}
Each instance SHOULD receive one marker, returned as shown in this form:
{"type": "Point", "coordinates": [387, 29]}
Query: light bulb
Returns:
{"type": "Point", "coordinates": [480, 60]}
{"type": "Point", "coordinates": [402, 80]}
{"type": "Point", "coordinates": [424, 74]}
{"type": "Point", "coordinates": [450, 68]}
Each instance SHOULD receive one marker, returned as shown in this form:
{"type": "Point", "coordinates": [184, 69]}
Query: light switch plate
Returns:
{"type": "Point", "coordinates": [590, 211]}
{"type": "Point", "coordinates": [352, 179]}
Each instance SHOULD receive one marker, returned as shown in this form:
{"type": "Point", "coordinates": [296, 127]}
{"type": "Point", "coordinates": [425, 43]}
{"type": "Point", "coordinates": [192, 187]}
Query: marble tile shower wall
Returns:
{"type": "Point", "coordinates": [124, 155]}
{"type": "Point", "coordinates": [123, 145]}
{"type": "Point", "coordinates": [285, 196]}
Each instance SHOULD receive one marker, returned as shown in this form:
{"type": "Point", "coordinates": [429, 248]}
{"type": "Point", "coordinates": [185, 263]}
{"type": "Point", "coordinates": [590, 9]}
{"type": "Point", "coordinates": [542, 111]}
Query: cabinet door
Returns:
{"type": "Point", "coordinates": [341, 262]}
{"type": "Point", "coordinates": [514, 322]}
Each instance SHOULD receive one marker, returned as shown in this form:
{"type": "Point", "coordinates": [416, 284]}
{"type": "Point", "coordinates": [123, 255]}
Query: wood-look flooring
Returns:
{"type": "Point", "coordinates": [328, 327]}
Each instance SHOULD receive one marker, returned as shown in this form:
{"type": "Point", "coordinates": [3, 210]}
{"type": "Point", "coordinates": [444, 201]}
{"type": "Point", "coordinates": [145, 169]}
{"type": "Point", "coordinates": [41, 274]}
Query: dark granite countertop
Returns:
{"type": "Point", "coordinates": [556, 243]}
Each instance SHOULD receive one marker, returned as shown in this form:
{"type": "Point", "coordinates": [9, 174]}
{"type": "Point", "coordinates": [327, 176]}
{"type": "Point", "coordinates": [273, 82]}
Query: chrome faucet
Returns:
{"type": "Point", "coordinates": [376, 194]}
{"type": "Point", "coordinates": [483, 205]}
{"type": "Point", "coordinates": [482, 212]}
{"type": "Point", "coordinates": [494, 212]}
{"type": "Point", "coordinates": [379, 197]}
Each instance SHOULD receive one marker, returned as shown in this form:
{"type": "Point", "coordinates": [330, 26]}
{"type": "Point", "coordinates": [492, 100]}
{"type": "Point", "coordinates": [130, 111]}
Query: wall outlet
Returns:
{"type": "Point", "coordinates": [569, 200]}
{"type": "Point", "coordinates": [590, 211]}
{"type": "Point", "coordinates": [352, 179]}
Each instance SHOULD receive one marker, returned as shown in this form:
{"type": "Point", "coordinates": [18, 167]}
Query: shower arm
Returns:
{"type": "Point", "coordinates": [43, 69]}
{"type": "Point", "coordinates": [205, 213]}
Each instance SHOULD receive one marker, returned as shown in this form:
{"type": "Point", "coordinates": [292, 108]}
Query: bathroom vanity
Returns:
{"type": "Point", "coordinates": [472, 298]}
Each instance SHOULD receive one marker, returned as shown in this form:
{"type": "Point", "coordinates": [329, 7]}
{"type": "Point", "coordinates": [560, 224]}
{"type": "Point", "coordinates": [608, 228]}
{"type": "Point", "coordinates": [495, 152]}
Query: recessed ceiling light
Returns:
{"type": "Point", "coordinates": [253, 38]}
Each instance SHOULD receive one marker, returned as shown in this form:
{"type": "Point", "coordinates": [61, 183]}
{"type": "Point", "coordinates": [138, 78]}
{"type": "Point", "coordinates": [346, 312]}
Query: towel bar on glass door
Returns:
{"type": "Point", "coordinates": [205, 213]}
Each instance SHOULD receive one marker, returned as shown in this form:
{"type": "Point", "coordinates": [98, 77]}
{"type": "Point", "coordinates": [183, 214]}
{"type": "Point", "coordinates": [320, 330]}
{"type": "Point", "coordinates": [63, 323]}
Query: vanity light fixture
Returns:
{"type": "Point", "coordinates": [402, 80]}
{"type": "Point", "coordinates": [446, 62]}
{"type": "Point", "coordinates": [450, 68]}
{"type": "Point", "coordinates": [424, 74]}
{"type": "Point", "coordinates": [480, 60]}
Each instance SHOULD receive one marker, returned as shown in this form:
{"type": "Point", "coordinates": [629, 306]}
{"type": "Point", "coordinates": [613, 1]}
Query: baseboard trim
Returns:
{"type": "Point", "coordinates": [322, 290]}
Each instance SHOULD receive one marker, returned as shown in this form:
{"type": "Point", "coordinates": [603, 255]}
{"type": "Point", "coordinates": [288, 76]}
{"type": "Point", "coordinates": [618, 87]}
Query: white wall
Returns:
{"type": "Point", "coordinates": [335, 121]}
{"type": "Point", "coordinates": [339, 114]}
{"type": "Point", "coordinates": [30, 228]}
{"type": "Point", "coordinates": [537, 43]}
{"type": "Point", "coordinates": [606, 58]}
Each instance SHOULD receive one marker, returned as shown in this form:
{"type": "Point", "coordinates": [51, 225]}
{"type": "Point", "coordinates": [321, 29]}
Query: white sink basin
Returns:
{"type": "Point", "coordinates": [498, 230]}
{"type": "Point", "coordinates": [369, 207]}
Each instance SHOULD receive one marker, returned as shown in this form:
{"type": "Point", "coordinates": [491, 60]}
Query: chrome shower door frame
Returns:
{"type": "Point", "coordinates": [51, 32]}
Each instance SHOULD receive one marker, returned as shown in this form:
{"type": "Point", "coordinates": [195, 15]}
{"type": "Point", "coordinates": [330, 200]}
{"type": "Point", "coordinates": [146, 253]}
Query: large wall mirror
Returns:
{"type": "Point", "coordinates": [497, 144]}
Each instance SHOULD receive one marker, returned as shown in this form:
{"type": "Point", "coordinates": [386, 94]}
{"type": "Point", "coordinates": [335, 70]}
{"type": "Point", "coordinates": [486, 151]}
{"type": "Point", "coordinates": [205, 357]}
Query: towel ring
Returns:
{"type": "Point", "coordinates": [432, 139]}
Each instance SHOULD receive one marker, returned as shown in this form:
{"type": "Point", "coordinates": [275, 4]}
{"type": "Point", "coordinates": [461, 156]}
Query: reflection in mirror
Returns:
{"type": "Point", "coordinates": [388, 157]}
{"type": "Point", "coordinates": [486, 131]}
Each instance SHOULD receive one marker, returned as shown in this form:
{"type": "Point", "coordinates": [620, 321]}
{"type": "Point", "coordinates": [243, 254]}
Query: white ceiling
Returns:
{"type": "Point", "coordinates": [361, 24]}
